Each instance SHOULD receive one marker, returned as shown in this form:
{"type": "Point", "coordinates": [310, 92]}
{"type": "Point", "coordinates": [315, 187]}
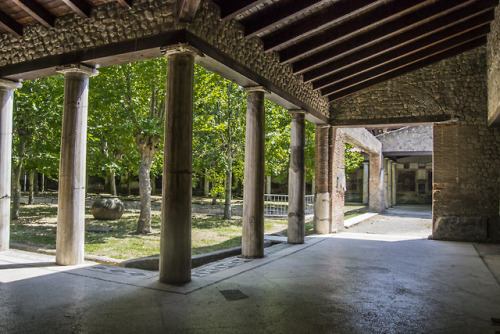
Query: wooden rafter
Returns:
{"type": "Point", "coordinates": [36, 11]}
{"type": "Point", "coordinates": [350, 28]}
{"type": "Point", "coordinates": [186, 9]}
{"type": "Point", "coordinates": [481, 21]}
{"type": "Point", "coordinates": [231, 8]}
{"type": "Point", "coordinates": [81, 7]}
{"type": "Point", "coordinates": [316, 22]}
{"type": "Point", "coordinates": [410, 67]}
{"type": "Point", "coordinates": [408, 27]}
{"type": "Point", "coordinates": [355, 50]}
{"type": "Point", "coordinates": [11, 25]}
{"type": "Point", "coordinates": [275, 14]}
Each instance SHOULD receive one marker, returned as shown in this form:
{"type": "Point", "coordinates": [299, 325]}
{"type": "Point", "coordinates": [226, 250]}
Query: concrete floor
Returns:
{"type": "Point", "coordinates": [346, 283]}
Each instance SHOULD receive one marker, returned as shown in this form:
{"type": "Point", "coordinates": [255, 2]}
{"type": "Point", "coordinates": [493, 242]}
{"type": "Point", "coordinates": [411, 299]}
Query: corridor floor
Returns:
{"type": "Point", "coordinates": [346, 283]}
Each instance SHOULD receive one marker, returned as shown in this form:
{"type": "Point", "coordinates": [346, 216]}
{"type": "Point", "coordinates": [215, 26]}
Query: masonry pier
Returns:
{"type": "Point", "coordinates": [322, 219]}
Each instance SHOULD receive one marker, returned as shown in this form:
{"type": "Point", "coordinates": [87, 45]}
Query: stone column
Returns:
{"type": "Point", "coordinates": [337, 180]}
{"type": "Point", "coordinates": [71, 196]}
{"type": "Point", "coordinates": [253, 190]}
{"type": "Point", "coordinates": [386, 183]}
{"type": "Point", "coordinates": [389, 183]}
{"type": "Point", "coordinates": [376, 184]}
{"type": "Point", "coordinates": [269, 185]}
{"type": "Point", "coordinates": [297, 178]}
{"type": "Point", "coordinates": [322, 219]}
{"type": "Point", "coordinates": [366, 178]}
{"type": "Point", "coordinates": [394, 183]}
{"type": "Point", "coordinates": [175, 243]}
{"type": "Point", "coordinates": [7, 88]}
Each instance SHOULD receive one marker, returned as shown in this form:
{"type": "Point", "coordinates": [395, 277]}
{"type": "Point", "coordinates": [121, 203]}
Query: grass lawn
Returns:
{"type": "Point", "coordinates": [117, 239]}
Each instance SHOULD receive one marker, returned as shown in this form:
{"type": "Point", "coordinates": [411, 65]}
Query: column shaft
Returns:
{"type": "Point", "coordinates": [366, 178]}
{"type": "Point", "coordinates": [6, 108]}
{"type": "Point", "coordinates": [394, 183]}
{"type": "Point", "coordinates": [297, 178]}
{"type": "Point", "coordinates": [389, 183]}
{"type": "Point", "coordinates": [71, 196]}
{"type": "Point", "coordinates": [376, 190]}
{"type": "Point", "coordinates": [175, 250]}
{"type": "Point", "coordinates": [337, 179]}
{"type": "Point", "coordinates": [253, 190]}
{"type": "Point", "coordinates": [322, 219]}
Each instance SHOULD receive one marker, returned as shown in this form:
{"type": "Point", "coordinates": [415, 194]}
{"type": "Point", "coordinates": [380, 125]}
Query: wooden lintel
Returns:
{"type": "Point", "coordinates": [186, 9]}
{"type": "Point", "coordinates": [353, 26]}
{"type": "Point", "coordinates": [11, 25]}
{"type": "Point", "coordinates": [80, 7]}
{"type": "Point", "coordinates": [385, 121]}
{"type": "Point", "coordinates": [36, 11]}
{"type": "Point", "coordinates": [389, 35]}
{"type": "Point", "coordinates": [316, 22]}
{"type": "Point", "coordinates": [412, 67]}
{"type": "Point", "coordinates": [342, 56]}
{"type": "Point", "coordinates": [454, 33]}
{"type": "Point", "coordinates": [231, 8]}
{"type": "Point", "coordinates": [275, 14]}
{"type": "Point", "coordinates": [407, 60]}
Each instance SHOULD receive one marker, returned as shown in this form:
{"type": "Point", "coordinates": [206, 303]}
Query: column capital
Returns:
{"type": "Point", "coordinates": [77, 68]}
{"type": "Point", "coordinates": [296, 112]}
{"type": "Point", "coordinates": [168, 50]}
{"type": "Point", "coordinates": [9, 84]}
{"type": "Point", "coordinates": [256, 89]}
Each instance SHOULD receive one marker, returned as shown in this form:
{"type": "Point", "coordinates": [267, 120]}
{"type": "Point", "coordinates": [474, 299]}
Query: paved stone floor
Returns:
{"type": "Point", "coordinates": [346, 283]}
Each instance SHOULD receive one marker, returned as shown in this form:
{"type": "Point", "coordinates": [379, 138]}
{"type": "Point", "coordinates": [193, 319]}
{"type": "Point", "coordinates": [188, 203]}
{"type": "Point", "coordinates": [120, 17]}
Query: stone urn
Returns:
{"type": "Point", "coordinates": [110, 208]}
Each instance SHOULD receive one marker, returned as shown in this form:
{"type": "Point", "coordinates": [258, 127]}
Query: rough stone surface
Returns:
{"type": "Point", "coordinates": [338, 178]}
{"type": "Point", "coordinates": [107, 208]}
{"type": "Point", "coordinates": [493, 60]}
{"type": "Point", "coordinates": [407, 139]}
{"type": "Point", "coordinates": [460, 228]}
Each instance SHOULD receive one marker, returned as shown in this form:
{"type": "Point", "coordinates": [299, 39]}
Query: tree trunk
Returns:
{"type": "Point", "coordinates": [228, 186]}
{"type": "Point", "coordinates": [36, 184]}
{"type": "Point", "coordinates": [129, 190]}
{"type": "Point", "coordinates": [31, 189]}
{"type": "Point", "coordinates": [206, 184]}
{"type": "Point", "coordinates": [112, 182]}
{"type": "Point", "coordinates": [153, 185]}
{"type": "Point", "coordinates": [16, 184]}
{"type": "Point", "coordinates": [148, 146]}
{"type": "Point", "coordinates": [42, 184]}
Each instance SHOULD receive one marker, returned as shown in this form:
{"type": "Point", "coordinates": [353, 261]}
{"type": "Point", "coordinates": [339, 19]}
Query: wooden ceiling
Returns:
{"type": "Point", "coordinates": [344, 46]}
{"type": "Point", "coordinates": [15, 14]}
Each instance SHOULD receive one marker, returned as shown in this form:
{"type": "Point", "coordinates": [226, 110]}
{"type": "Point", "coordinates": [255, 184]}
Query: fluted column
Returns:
{"type": "Point", "coordinates": [175, 247]}
{"type": "Point", "coordinates": [253, 190]}
{"type": "Point", "coordinates": [297, 179]}
{"type": "Point", "coordinates": [7, 88]}
{"type": "Point", "coordinates": [71, 196]}
{"type": "Point", "coordinates": [322, 218]}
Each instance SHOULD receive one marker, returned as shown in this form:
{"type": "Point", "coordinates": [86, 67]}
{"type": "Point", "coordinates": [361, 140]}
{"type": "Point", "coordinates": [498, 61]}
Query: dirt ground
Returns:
{"type": "Point", "coordinates": [407, 220]}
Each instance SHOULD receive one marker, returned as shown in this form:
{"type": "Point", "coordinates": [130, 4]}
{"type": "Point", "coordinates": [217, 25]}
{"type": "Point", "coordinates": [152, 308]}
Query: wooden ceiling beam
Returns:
{"type": "Point", "coordinates": [351, 27]}
{"type": "Point", "coordinates": [405, 50]}
{"type": "Point", "coordinates": [275, 14]}
{"type": "Point", "coordinates": [229, 9]}
{"type": "Point", "coordinates": [9, 24]}
{"type": "Point", "coordinates": [396, 32]}
{"type": "Point", "coordinates": [125, 3]}
{"type": "Point", "coordinates": [415, 66]}
{"type": "Point", "coordinates": [186, 9]}
{"type": "Point", "coordinates": [80, 7]}
{"type": "Point", "coordinates": [355, 50]}
{"type": "Point", "coordinates": [36, 11]}
{"type": "Point", "coordinates": [316, 22]}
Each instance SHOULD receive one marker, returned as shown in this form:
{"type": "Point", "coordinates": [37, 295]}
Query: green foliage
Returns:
{"type": "Point", "coordinates": [353, 159]}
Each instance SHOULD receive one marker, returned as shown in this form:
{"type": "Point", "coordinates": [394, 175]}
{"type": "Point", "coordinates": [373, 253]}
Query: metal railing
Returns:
{"type": "Point", "coordinates": [277, 205]}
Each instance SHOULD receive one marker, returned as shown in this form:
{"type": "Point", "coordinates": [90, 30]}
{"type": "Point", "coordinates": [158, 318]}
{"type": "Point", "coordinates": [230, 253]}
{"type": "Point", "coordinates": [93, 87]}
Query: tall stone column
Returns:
{"type": "Point", "coordinates": [389, 183]}
{"type": "Point", "coordinates": [297, 178]}
{"type": "Point", "coordinates": [376, 184]}
{"type": "Point", "coordinates": [386, 182]}
{"type": "Point", "coordinates": [71, 196]}
{"type": "Point", "coordinates": [175, 243]}
{"type": "Point", "coordinates": [366, 178]}
{"type": "Point", "coordinates": [337, 180]}
{"type": "Point", "coordinates": [253, 190]}
{"type": "Point", "coordinates": [322, 218]}
{"type": "Point", "coordinates": [7, 88]}
{"type": "Point", "coordinates": [394, 183]}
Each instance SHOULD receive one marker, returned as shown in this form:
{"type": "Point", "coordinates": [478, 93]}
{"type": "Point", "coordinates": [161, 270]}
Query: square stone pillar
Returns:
{"type": "Point", "coordinates": [366, 178]}
{"type": "Point", "coordinates": [175, 243]}
{"type": "Point", "coordinates": [322, 218]}
{"type": "Point", "coordinates": [7, 88]}
{"type": "Point", "coordinates": [389, 183]}
{"type": "Point", "coordinates": [394, 183]}
{"type": "Point", "coordinates": [376, 197]}
{"type": "Point", "coordinates": [337, 179]}
{"type": "Point", "coordinates": [386, 183]}
{"type": "Point", "coordinates": [71, 196]}
{"type": "Point", "coordinates": [297, 179]}
{"type": "Point", "coordinates": [253, 188]}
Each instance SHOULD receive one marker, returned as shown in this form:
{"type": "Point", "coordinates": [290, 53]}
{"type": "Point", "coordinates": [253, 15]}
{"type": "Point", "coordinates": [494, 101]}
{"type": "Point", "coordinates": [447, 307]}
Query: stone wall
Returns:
{"type": "Point", "coordinates": [493, 60]}
{"type": "Point", "coordinates": [466, 152]}
{"type": "Point", "coordinates": [407, 139]}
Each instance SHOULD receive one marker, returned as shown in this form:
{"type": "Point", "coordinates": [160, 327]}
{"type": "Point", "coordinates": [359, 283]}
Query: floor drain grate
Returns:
{"type": "Point", "coordinates": [231, 295]}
